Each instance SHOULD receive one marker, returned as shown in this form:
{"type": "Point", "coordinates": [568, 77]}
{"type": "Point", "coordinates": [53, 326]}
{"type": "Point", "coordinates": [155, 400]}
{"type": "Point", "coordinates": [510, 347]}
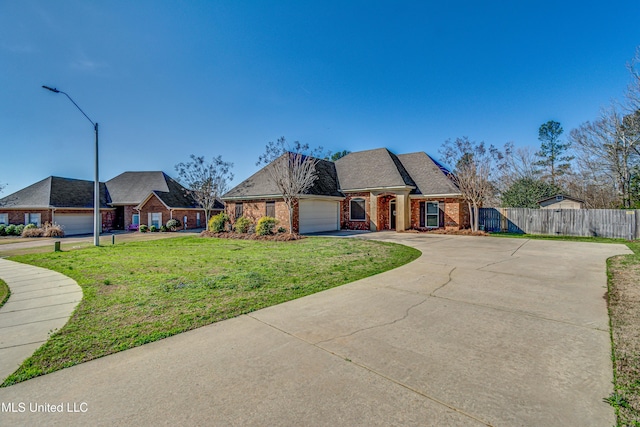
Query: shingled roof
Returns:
{"type": "Point", "coordinates": [430, 177]}
{"type": "Point", "coordinates": [377, 168]}
{"type": "Point", "coordinates": [260, 185]}
{"type": "Point", "coordinates": [363, 170]}
{"type": "Point", "coordinates": [56, 192]}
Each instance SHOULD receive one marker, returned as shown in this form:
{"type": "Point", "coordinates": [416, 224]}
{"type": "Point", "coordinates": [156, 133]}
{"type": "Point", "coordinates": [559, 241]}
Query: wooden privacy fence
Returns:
{"type": "Point", "coordinates": [614, 223]}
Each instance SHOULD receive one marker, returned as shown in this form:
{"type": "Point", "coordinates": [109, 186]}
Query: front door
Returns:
{"type": "Point", "coordinates": [392, 214]}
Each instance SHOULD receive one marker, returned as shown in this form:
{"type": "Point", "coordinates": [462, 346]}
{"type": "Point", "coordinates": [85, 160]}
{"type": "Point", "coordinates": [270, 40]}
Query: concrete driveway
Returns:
{"type": "Point", "coordinates": [477, 331]}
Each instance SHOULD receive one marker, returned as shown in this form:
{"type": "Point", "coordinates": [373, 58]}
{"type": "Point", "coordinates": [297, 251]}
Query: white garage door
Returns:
{"type": "Point", "coordinates": [319, 215]}
{"type": "Point", "coordinates": [75, 223]}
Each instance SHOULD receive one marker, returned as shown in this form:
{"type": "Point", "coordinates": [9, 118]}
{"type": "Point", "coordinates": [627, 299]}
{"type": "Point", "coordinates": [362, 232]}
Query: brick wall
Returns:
{"type": "Point", "coordinates": [254, 210]}
{"type": "Point", "coordinates": [384, 219]}
{"type": "Point", "coordinates": [455, 213]}
{"type": "Point", "coordinates": [345, 221]}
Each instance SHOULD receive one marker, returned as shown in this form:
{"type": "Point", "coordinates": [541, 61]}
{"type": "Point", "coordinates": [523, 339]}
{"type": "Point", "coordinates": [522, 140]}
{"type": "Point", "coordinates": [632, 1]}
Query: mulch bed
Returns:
{"type": "Point", "coordinates": [465, 232]}
{"type": "Point", "coordinates": [280, 237]}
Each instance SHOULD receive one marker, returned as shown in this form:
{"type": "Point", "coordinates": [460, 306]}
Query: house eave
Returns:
{"type": "Point", "coordinates": [379, 189]}
{"type": "Point", "coordinates": [430, 196]}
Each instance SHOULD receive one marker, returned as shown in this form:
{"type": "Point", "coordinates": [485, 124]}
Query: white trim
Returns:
{"type": "Point", "coordinates": [391, 213]}
{"type": "Point", "coordinates": [270, 197]}
{"type": "Point", "coordinates": [374, 189]}
{"type": "Point", "coordinates": [433, 196]}
{"type": "Point", "coordinates": [146, 199]}
{"type": "Point", "coordinates": [426, 214]}
{"type": "Point", "coordinates": [364, 202]}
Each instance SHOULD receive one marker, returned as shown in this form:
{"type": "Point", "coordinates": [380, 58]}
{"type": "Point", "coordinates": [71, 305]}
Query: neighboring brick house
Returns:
{"type": "Point", "coordinates": [130, 199]}
{"type": "Point", "coordinates": [152, 198]}
{"type": "Point", "coordinates": [366, 190]}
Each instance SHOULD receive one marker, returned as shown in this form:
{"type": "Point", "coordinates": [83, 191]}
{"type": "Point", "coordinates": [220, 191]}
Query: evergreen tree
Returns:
{"type": "Point", "coordinates": [552, 161]}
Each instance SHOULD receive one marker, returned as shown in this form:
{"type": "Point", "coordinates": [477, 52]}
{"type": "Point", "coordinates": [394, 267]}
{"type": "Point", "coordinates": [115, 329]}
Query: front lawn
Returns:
{"type": "Point", "coordinates": [139, 292]}
{"type": "Point", "coordinates": [4, 292]}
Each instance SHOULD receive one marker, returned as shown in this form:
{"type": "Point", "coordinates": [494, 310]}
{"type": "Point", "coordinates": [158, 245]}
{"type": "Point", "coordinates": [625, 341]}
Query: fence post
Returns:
{"type": "Point", "coordinates": [504, 225]}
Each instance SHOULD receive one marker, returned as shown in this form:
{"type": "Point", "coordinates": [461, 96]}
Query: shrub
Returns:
{"type": "Point", "coordinates": [3, 230]}
{"type": "Point", "coordinates": [32, 231]}
{"type": "Point", "coordinates": [242, 224]}
{"type": "Point", "coordinates": [19, 229]}
{"type": "Point", "coordinates": [282, 230]}
{"type": "Point", "coordinates": [153, 229]}
{"type": "Point", "coordinates": [53, 230]}
{"type": "Point", "coordinates": [265, 226]}
{"type": "Point", "coordinates": [163, 228]}
{"type": "Point", "coordinates": [29, 226]}
{"type": "Point", "coordinates": [143, 228]}
{"type": "Point", "coordinates": [218, 222]}
{"type": "Point", "coordinates": [173, 224]}
{"type": "Point", "coordinates": [10, 230]}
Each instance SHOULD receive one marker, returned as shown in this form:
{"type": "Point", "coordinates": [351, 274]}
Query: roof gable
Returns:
{"type": "Point", "coordinates": [130, 188]}
{"type": "Point", "coordinates": [260, 184]}
{"type": "Point", "coordinates": [56, 192]}
{"type": "Point", "coordinates": [372, 169]}
{"type": "Point", "coordinates": [431, 177]}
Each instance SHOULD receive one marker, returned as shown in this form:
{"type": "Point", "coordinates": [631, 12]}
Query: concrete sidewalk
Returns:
{"type": "Point", "coordinates": [41, 301]}
{"type": "Point", "coordinates": [477, 331]}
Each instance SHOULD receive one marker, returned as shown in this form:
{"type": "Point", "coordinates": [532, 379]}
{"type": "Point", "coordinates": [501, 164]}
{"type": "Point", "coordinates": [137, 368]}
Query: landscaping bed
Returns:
{"type": "Point", "coordinates": [139, 292]}
{"type": "Point", "coordinates": [280, 237]}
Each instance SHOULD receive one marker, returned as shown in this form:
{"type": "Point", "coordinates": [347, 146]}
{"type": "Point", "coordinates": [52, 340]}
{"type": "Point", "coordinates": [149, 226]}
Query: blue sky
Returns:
{"type": "Point", "coordinates": [166, 79]}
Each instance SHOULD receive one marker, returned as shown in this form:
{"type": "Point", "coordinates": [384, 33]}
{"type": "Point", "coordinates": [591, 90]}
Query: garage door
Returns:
{"type": "Point", "coordinates": [75, 223]}
{"type": "Point", "coordinates": [319, 215]}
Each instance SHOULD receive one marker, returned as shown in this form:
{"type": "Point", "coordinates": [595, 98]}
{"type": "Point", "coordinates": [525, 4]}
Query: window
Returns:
{"type": "Point", "coordinates": [559, 198]}
{"type": "Point", "coordinates": [197, 219]}
{"type": "Point", "coordinates": [32, 218]}
{"type": "Point", "coordinates": [271, 209]}
{"type": "Point", "coordinates": [4, 218]}
{"type": "Point", "coordinates": [358, 210]}
{"type": "Point", "coordinates": [433, 215]}
{"type": "Point", "coordinates": [156, 219]}
{"type": "Point", "coordinates": [238, 210]}
{"type": "Point", "coordinates": [135, 219]}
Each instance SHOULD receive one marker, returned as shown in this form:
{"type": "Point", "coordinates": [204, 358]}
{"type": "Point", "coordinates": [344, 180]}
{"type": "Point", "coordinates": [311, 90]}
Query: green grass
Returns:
{"type": "Point", "coordinates": [139, 292]}
{"type": "Point", "coordinates": [4, 292]}
{"type": "Point", "coordinates": [623, 302]}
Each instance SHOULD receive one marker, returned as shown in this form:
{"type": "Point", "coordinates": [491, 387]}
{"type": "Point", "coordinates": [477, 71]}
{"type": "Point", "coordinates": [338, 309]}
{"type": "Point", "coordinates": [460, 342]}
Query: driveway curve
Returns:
{"type": "Point", "coordinates": [477, 331]}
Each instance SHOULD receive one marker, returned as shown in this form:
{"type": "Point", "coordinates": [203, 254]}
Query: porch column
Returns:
{"type": "Point", "coordinates": [373, 212]}
{"type": "Point", "coordinates": [403, 211]}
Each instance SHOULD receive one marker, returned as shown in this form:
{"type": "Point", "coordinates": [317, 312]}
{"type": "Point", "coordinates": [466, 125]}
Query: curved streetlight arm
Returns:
{"type": "Point", "coordinates": [96, 183]}
{"type": "Point", "coordinates": [53, 89]}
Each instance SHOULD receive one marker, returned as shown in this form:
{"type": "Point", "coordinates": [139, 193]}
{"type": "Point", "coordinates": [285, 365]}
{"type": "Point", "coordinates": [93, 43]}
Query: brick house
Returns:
{"type": "Point", "coordinates": [366, 190]}
{"type": "Point", "coordinates": [130, 199]}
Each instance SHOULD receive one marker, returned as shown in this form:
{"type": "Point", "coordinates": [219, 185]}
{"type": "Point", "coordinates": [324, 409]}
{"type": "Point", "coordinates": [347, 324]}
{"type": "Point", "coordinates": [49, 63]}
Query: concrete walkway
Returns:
{"type": "Point", "coordinates": [477, 331]}
{"type": "Point", "coordinates": [41, 301]}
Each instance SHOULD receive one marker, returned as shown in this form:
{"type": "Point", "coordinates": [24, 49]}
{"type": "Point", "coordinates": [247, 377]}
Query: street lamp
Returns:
{"type": "Point", "coordinates": [96, 183]}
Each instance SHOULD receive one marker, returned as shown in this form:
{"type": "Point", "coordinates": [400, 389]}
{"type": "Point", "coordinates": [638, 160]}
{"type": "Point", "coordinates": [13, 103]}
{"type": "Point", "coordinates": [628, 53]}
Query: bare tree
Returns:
{"type": "Point", "coordinates": [608, 150]}
{"type": "Point", "coordinates": [517, 164]}
{"type": "Point", "coordinates": [292, 168]}
{"type": "Point", "coordinates": [205, 182]}
{"type": "Point", "coordinates": [473, 169]}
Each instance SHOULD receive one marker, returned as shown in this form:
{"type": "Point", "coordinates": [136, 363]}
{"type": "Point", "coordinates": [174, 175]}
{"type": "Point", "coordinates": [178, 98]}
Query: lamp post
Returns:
{"type": "Point", "coordinates": [96, 183]}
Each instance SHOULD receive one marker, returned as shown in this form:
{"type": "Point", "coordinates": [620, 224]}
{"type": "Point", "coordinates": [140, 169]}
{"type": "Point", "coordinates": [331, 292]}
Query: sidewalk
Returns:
{"type": "Point", "coordinates": [41, 301]}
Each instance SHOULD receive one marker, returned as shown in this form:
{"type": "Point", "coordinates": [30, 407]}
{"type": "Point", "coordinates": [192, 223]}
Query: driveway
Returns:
{"type": "Point", "coordinates": [477, 331]}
